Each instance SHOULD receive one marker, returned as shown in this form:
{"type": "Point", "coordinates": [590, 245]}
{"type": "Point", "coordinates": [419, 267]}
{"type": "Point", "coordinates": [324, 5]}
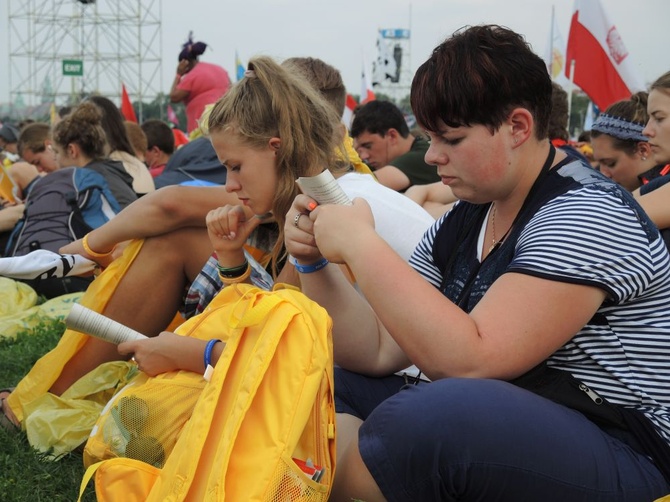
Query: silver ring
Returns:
{"type": "Point", "coordinates": [296, 220]}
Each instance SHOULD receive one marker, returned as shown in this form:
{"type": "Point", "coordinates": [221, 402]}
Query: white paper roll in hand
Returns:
{"type": "Point", "coordinates": [88, 321]}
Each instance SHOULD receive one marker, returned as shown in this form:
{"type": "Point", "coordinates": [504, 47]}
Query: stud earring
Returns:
{"type": "Point", "coordinates": [644, 157]}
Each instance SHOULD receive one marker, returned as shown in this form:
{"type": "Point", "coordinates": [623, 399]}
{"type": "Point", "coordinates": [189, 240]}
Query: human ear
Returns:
{"type": "Point", "coordinates": [274, 144]}
{"type": "Point", "coordinates": [72, 150]}
{"type": "Point", "coordinates": [644, 150]}
{"type": "Point", "coordinates": [521, 123]}
{"type": "Point", "coordinates": [393, 134]}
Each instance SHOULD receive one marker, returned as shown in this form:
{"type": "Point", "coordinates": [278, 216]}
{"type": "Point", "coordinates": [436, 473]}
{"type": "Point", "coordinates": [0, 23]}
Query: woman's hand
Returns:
{"type": "Point", "coordinates": [228, 228]}
{"type": "Point", "coordinates": [183, 67]}
{"type": "Point", "coordinates": [156, 355]}
{"type": "Point", "coordinates": [339, 229]}
{"type": "Point", "coordinates": [299, 231]}
{"type": "Point", "coordinates": [76, 247]}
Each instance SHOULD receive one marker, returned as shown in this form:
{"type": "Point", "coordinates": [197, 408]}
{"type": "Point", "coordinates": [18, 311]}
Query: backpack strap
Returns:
{"type": "Point", "coordinates": [256, 313]}
{"type": "Point", "coordinates": [119, 479]}
{"type": "Point", "coordinates": [88, 475]}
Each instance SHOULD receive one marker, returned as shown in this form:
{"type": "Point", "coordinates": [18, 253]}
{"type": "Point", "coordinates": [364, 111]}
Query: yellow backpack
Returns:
{"type": "Point", "coordinates": [263, 428]}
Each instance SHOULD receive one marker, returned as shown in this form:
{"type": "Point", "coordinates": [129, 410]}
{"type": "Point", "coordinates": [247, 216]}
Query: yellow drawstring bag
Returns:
{"type": "Point", "coordinates": [263, 428]}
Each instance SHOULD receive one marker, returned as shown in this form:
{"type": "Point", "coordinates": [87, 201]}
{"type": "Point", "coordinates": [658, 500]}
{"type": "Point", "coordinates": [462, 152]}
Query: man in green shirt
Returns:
{"type": "Point", "coordinates": [383, 141]}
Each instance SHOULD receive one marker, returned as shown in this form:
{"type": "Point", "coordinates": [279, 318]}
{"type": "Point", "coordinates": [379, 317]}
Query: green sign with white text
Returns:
{"type": "Point", "coordinates": [73, 68]}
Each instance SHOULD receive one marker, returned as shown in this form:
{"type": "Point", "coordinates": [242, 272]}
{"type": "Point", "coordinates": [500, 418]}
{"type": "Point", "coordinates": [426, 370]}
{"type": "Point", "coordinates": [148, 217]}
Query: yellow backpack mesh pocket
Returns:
{"type": "Point", "coordinates": [144, 420]}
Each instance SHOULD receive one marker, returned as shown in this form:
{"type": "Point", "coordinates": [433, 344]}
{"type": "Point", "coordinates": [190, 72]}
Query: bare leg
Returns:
{"type": "Point", "coordinates": [7, 411]}
{"type": "Point", "coordinates": [353, 481]}
{"type": "Point", "coordinates": [148, 296]}
{"type": "Point", "coordinates": [347, 431]}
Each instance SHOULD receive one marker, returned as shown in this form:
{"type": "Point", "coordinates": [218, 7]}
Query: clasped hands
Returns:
{"type": "Point", "coordinates": [325, 231]}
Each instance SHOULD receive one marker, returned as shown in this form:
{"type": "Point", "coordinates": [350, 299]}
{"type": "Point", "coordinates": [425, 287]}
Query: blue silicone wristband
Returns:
{"type": "Point", "coordinates": [308, 269]}
{"type": "Point", "coordinates": [208, 351]}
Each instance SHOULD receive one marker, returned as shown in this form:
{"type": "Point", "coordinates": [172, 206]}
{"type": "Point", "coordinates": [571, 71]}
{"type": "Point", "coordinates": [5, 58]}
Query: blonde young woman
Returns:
{"type": "Point", "coordinates": [269, 130]}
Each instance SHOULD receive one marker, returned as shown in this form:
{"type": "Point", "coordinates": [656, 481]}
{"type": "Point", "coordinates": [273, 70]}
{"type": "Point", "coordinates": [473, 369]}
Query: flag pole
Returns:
{"type": "Point", "coordinates": [409, 58]}
{"type": "Point", "coordinates": [570, 86]}
{"type": "Point", "coordinates": [551, 45]}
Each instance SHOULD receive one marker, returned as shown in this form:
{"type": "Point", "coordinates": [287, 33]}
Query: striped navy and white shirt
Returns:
{"type": "Point", "coordinates": [578, 227]}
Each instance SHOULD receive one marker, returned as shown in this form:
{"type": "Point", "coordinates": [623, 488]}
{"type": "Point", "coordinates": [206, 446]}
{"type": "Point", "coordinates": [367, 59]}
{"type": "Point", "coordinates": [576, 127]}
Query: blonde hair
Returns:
{"type": "Point", "coordinates": [662, 83]}
{"type": "Point", "coordinates": [137, 137]}
{"type": "Point", "coordinates": [271, 101]}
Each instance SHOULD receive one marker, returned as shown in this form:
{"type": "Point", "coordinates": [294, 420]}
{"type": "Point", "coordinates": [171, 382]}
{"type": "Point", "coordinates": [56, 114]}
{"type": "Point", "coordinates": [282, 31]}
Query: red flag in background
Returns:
{"type": "Point", "coordinates": [127, 109]}
{"type": "Point", "coordinates": [180, 138]}
{"type": "Point", "coordinates": [602, 65]}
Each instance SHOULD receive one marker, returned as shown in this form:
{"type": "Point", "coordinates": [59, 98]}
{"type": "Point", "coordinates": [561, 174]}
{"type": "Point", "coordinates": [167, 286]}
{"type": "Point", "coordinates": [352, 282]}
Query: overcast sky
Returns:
{"type": "Point", "coordinates": [340, 32]}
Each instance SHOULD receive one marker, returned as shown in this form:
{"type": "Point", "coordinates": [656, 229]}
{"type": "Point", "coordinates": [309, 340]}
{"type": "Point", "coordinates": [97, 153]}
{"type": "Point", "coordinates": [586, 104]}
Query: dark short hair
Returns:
{"type": "Point", "coordinates": [159, 134]}
{"type": "Point", "coordinates": [377, 117]}
{"type": "Point", "coordinates": [478, 76]}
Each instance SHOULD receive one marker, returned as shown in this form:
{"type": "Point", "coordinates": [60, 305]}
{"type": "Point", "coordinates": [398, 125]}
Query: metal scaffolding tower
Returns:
{"type": "Point", "coordinates": [393, 43]}
{"type": "Point", "coordinates": [62, 50]}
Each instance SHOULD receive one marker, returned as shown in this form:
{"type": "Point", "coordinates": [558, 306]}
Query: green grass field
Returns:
{"type": "Point", "coordinates": [26, 475]}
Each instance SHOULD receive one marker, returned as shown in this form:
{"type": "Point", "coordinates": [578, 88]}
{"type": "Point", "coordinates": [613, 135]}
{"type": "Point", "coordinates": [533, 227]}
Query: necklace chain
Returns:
{"type": "Point", "coordinates": [545, 169]}
{"type": "Point", "coordinates": [493, 227]}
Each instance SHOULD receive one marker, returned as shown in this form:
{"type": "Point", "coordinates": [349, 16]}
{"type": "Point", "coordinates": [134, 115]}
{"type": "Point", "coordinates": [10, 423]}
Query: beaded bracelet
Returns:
{"type": "Point", "coordinates": [308, 269]}
{"type": "Point", "coordinates": [90, 252]}
{"type": "Point", "coordinates": [234, 280]}
{"type": "Point", "coordinates": [233, 272]}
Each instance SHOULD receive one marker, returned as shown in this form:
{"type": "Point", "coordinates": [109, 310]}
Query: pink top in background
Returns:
{"type": "Point", "coordinates": [205, 83]}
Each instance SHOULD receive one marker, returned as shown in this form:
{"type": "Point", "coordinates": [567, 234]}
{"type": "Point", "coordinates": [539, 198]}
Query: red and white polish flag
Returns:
{"type": "Point", "coordinates": [602, 65]}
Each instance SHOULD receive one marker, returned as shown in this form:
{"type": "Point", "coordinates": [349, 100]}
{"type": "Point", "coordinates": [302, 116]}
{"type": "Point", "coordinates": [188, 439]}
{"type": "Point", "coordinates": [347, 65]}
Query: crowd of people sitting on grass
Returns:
{"type": "Point", "coordinates": [484, 273]}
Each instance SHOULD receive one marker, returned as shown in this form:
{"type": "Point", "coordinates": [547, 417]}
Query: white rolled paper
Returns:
{"type": "Point", "coordinates": [88, 321]}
